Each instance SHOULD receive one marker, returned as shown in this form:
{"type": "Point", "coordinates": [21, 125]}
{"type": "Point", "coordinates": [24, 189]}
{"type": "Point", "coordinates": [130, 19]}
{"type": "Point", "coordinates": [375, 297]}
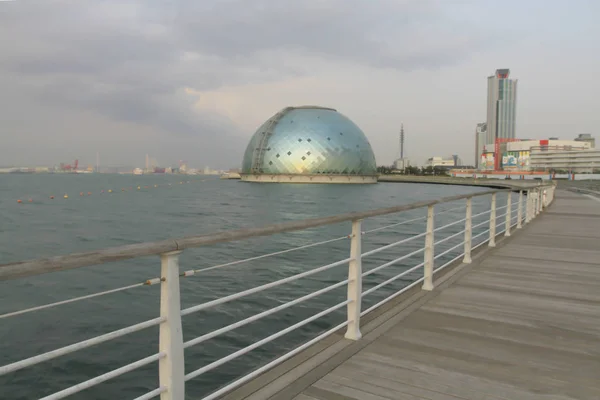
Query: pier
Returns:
{"type": "Point", "coordinates": [512, 315]}
{"type": "Point", "coordinates": [520, 322]}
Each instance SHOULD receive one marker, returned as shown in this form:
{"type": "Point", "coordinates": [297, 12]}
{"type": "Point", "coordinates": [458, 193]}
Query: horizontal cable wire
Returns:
{"type": "Point", "coordinates": [408, 271]}
{"type": "Point", "coordinates": [387, 264]}
{"type": "Point", "coordinates": [398, 293]}
{"type": "Point", "coordinates": [152, 394]}
{"type": "Point", "coordinates": [377, 250]}
{"type": "Point", "coordinates": [260, 288]}
{"type": "Point", "coordinates": [481, 234]}
{"type": "Point", "coordinates": [450, 224]}
{"type": "Point", "coordinates": [89, 296]}
{"type": "Point", "coordinates": [273, 363]}
{"type": "Point", "coordinates": [480, 214]}
{"type": "Point", "coordinates": [104, 377]}
{"type": "Point", "coordinates": [268, 339]}
{"type": "Point", "coordinates": [256, 317]}
{"type": "Point", "coordinates": [480, 224]}
{"type": "Point", "coordinates": [449, 237]}
{"type": "Point", "coordinates": [411, 220]}
{"type": "Point", "coordinates": [196, 271]}
{"type": "Point", "coordinates": [449, 250]}
{"type": "Point", "coordinates": [392, 225]}
{"type": "Point", "coordinates": [79, 346]}
{"type": "Point", "coordinates": [450, 262]}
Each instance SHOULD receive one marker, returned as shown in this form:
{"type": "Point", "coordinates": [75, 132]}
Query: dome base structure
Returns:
{"type": "Point", "coordinates": [299, 178]}
{"type": "Point", "coordinates": [309, 144]}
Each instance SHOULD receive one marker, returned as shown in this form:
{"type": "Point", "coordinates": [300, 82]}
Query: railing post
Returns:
{"type": "Point", "coordinates": [492, 241]}
{"type": "Point", "coordinates": [544, 198]}
{"type": "Point", "coordinates": [538, 205]}
{"type": "Point", "coordinates": [468, 231]}
{"type": "Point", "coordinates": [528, 207]}
{"type": "Point", "coordinates": [520, 211]}
{"type": "Point", "coordinates": [355, 282]}
{"type": "Point", "coordinates": [171, 367]}
{"type": "Point", "coordinates": [508, 214]}
{"type": "Point", "coordinates": [428, 261]}
{"type": "Point", "coordinates": [533, 203]}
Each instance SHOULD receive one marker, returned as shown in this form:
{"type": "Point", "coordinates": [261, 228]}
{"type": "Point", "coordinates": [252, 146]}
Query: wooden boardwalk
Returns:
{"type": "Point", "coordinates": [522, 322]}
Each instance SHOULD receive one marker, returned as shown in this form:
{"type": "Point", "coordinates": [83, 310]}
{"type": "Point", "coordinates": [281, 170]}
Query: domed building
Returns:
{"type": "Point", "coordinates": [309, 144]}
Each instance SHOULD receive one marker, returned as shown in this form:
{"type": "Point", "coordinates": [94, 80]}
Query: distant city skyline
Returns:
{"type": "Point", "coordinates": [194, 80]}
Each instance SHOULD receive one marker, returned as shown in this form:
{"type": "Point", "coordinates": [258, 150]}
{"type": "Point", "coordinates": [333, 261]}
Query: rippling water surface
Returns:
{"type": "Point", "coordinates": [49, 227]}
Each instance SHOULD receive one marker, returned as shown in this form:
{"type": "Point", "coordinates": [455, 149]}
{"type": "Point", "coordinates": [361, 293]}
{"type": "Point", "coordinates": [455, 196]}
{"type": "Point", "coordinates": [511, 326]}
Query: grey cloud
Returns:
{"type": "Point", "coordinates": [130, 61]}
{"type": "Point", "coordinates": [394, 34]}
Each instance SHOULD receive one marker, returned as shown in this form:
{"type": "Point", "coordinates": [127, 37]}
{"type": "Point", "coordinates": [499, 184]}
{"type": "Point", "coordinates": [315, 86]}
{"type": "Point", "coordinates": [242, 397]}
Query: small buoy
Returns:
{"type": "Point", "coordinates": [89, 193]}
{"type": "Point", "coordinates": [139, 188]}
{"type": "Point", "coordinates": [31, 200]}
{"type": "Point", "coordinates": [51, 197]}
{"type": "Point", "coordinates": [65, 196]}
{"type": "Point", "coordinates": [122, 190]}
{"type": "Point", "coordinates": [102, 191]}
{"type": "Point", "coordinates": [155, 185]}
{"type": "Point", "coordinates": [19, 201]}
{"type": "Point", "coordinates": [81, 193]}
{"type": "Point", "coordinates": [109, 190]}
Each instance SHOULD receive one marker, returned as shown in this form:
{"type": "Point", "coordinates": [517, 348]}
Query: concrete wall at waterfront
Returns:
{"type": "Point", "coordinates": [291, 178]}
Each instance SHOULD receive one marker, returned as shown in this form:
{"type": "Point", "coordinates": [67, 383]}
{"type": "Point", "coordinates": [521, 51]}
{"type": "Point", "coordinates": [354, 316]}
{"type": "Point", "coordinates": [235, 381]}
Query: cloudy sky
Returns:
{"type": "Point", "coordinates": [193, 79]}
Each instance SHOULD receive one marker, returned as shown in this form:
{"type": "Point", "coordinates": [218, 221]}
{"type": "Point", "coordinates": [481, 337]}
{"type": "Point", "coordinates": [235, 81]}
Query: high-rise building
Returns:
{"type": "Point", "coordinates": [480, 141]}
{"type": "Point", "coordinates": [501, 106]}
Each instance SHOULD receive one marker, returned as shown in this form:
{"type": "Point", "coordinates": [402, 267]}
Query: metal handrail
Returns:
{"type": "Point", "coordinates": [77, 260]}
{"type": "Point", "coordinates": [79, 346]}
{"type": "Point", "coordinates": [170, 356]}
{"type": "Point", "coordinates": [260, 288]}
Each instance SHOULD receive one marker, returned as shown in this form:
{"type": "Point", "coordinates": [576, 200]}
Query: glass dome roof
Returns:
{"type": "Point", "coordinates": [309, 140]}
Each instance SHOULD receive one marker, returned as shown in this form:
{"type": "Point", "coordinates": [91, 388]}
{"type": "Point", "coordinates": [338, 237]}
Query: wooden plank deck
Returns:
{"type": "Point", "coordinates": [520, 323]}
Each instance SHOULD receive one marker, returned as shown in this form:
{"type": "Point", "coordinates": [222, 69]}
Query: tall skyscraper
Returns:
{"type": "Point", "coordinates": [501, 106]}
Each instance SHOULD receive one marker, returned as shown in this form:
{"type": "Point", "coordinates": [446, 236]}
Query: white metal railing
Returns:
{"type": "Point", "coordinates": [170, 356]}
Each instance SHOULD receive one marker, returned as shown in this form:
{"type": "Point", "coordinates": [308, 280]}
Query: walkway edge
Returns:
{"type": "Point", "coordinates": [293, 376]}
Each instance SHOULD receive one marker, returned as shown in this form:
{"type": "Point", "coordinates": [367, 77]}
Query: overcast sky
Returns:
{"type": "Point", "coordinates": [193, 79]}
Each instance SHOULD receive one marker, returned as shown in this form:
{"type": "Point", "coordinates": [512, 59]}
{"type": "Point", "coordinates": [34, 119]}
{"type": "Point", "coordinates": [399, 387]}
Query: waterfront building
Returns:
{"type": "Point", "coordinates": [480, 140]}
{"type": "Point", "coordinates": [565, 159]}
{"type": "Point", "coordinates": [401, 163]}
{"type": "Point", "coordinates": [587, 138]}
{"type": "Point", "coordinates": [517, 155]}
{"type": "Point", "coordinates": [443, 162]}
{"type": "Point", "coordinates": [309, 144]}
{"type": "Point", "coordinates": [501, 106]}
